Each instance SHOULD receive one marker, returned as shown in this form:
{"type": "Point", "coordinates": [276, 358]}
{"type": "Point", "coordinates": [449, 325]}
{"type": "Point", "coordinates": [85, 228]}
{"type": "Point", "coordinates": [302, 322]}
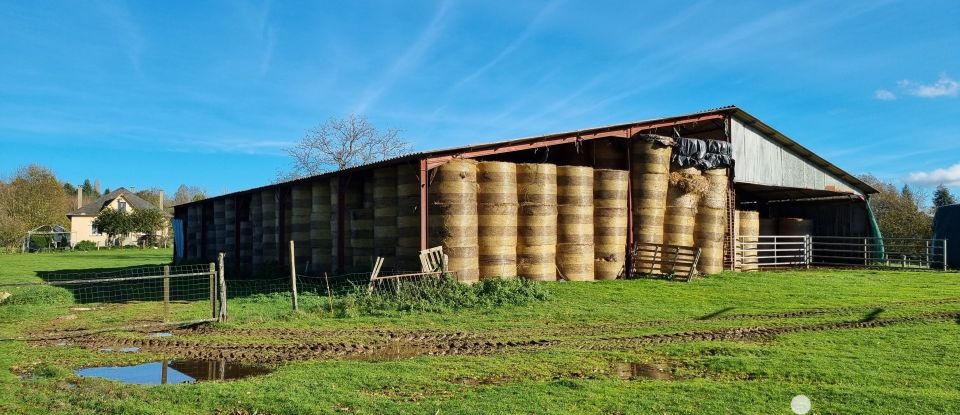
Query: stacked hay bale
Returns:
{"type": "Point", "coordinates": [767, 250]}
{"type": "Point", "coordinates": [230, 230]}
{"type": "Point", "coordinates": [497, 218]}
{"type": "Point", "coordinates": [575, 223]}
{"type": "Point", "coordinates": [246, 234]}
{"type": "Point", "coordinates": [609, 154]}
{"type": "Point", "coordinates": [219, 226]}
{"type": "Point", "coordinates": [683, 195]}
{"type": "Point", "coordinates": [408, 217]}
{"type": "Point", "coordinates": [361, 225]}
{"type": "Point", "coordinates": [301, 196]}
{"type": "Point", "coordinates": [453, 217]}
{"type": "Point", "coordinates": [256, 230]}
{"type": "Point", "coordinates": [610, 222]}
{"type": "Point", "coordinates": [268, 203]}
{"type": "Point", "coordinates": [711, 222]}
{"type": "Point", "coordinates": [537, 221]}
{"type": "Point", "coordinates": [321, 242]}
{"type": "Point", "coordinates": [650, 171]}
{"type": "Point", "coordinates": [193, 231]}
{"type": "Point", "coordinates": [794, 227]}
{"type": "Point", "coordinates": [385, 215]}
{"type": "Point", "coordinates": [209, 233]}
{"type": "Point", "coordinates": [749, 229]}
{"type": "Point", "coordinates": [335, 238]}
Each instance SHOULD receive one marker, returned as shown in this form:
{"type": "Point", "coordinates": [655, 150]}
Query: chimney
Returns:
{"type": "Point", "coordinates": [79, 197]}
{"type": "Point", "coordinates": [160, 205]}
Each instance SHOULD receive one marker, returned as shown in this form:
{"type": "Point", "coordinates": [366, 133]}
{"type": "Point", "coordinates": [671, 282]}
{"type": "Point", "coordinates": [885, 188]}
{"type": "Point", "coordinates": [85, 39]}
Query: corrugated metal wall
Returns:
{"type": "Point", "coordinates": [761, 160]}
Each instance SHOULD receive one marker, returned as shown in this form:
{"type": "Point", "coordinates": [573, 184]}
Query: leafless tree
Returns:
{"type": "Point", "coordinates": [339, 143]}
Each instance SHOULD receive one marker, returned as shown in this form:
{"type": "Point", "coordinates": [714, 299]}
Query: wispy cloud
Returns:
{"type": "Point", "coordinates": [944, 87]}
{"type": "Point", "coordinates": [255, 19]}
{"type": "Point", "coordinates": [128, 32]}
{"type": "Point", "coordinates": [949, 176]}
{"type": "Point", "coordinates": [410, 58]}
{"type": "Point", "coordinates": [884, 95]}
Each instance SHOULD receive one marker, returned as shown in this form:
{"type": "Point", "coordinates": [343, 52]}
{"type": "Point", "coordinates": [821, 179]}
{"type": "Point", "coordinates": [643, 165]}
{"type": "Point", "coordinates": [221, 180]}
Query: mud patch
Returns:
{"type": "Point", "coordinates": [174, 371]}
{"type": "Point", "coordinates": [640, 371]}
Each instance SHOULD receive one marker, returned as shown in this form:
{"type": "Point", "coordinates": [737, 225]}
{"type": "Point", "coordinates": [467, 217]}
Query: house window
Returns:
{"type": "Point", "coordinates": [122, 206]}
{"type": "Point", "coordinates": [93, 229]}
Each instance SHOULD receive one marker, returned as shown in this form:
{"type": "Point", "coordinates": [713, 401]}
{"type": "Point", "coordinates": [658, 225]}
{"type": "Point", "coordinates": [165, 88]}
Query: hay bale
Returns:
{"type": "Point", "coordinates": [683, 195]}
{"type": "Point", "coordinates": [575, 222]}
{"type": "Point", "coordinates": [715, 196]}
{"type": "Point", "coordinates": [610, 222]}
{"type": "Point", "coordinates": [209, 233]}
{"type": "Point", "coordinates": [301, 199]}
{"type": "Point", "coordinates": [650, 157]}
{"type": "Point", "coordinates": [321, 242]}
{"type": "Point", "coordinates": [219, 226]}
{"type": "Point", "coordinates": [256, 229]}
{"type": "Point", "coordinates": [193, 232]}
{"type": "Point", "coordinates": [230, 230]}
{"type": "Point", "coordinates": [453, 217]}
{"type": "Point", "coordinates": [711, 225]}
{"type": "Point", "coordinates": [537, 221]}
{"type": "Point", "coordinates": [794, 226]}
{"type": "Point", "coordinates": [385, 215]}
{"type": "Point", "coordinates": [268, 203]}
{"type": "Point", "coordinates": [246, 242]}
{"type": "Point", "coordinates": [768, 227]}
{"type": "Point", "coordinates": [361, 238]}
{"type": "Point", "coordinates": [497, 210]}
{"type": "Point", "coordinates": [408, 217]}
{"type": "Point", "coordinates": [650, 170]}
{"type": "Point", "coordinates": [610, 154]}
{"type": "Point", "coordinates": [748, 229]}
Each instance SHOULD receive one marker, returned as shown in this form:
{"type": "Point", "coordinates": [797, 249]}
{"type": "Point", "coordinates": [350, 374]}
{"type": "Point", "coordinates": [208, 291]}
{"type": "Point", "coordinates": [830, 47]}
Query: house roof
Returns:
{"type": "Point", "coordinates": [93, 208]}
{"type": "Point", "coordinates": [596, 132]}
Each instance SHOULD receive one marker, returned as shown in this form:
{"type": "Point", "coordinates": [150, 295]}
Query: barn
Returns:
{"type": "Point", "coordinates": [573, 205]}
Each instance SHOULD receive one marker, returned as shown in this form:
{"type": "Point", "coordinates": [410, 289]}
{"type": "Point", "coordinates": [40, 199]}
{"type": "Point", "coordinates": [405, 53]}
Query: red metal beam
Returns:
{"type": "Point", "coordinates": [622, 132]}
{"type": "Point", "coordinates": [424, 202]}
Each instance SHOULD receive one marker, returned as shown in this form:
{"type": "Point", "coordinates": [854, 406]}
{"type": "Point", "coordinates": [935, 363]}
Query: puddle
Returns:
{"type": "Point", "coordinates": [635, 371]}
{"type": "Point", "coordinates": [174, 371]}
{"type": "Point", "coordinates": [120, 350]}
{"type": "Point", "coordinates": [160, 334]}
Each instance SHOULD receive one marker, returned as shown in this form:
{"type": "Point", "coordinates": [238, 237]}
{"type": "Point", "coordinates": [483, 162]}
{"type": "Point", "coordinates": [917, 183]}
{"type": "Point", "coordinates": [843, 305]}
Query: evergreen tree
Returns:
{"type": "Point", "coordinates": [943, 197]}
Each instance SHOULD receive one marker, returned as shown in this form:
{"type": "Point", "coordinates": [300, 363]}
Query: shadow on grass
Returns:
{"type": "Point", "coordinates": [872, 315]}
{"type": "Point", "coordinates": [716, 313]}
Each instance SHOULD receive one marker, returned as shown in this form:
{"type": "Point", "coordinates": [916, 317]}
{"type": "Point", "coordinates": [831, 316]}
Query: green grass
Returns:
{"type": "Point", "coordinates": [910, 367]}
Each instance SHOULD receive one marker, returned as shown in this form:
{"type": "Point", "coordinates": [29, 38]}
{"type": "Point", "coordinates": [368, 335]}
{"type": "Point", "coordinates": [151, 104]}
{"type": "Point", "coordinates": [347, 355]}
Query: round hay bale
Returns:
{"type": "Point", "coordinates": [321, 242]}
{"type": "Point", "coordinates": [711, 225]}
{"type": "Point", "coordinates": [245, 244]}
{"type": "Point", "coordinates": [210, 233]}
{"type": "Point", "coordinates": [498, 216]}
{"type": "Point", "coordinates": [537, 222]}
{"type": "Point", "coordinates": [715, 196]}
{"type": "Point", "coordinates": [193, 231]}
{"type": "Point", "coordinates": [650, 157]}
{"type": "Point", "coordinates": [610, 222]}
{"type": "Point", "coordinates": [749, 229]}
{"type": "Point", "coordinates": [385, 215]}
{"type": "Point", "coordinates": [575, 261]}
{"type": "Point", "coordinates": [575, 222]}
{"type": "Point", "coordinates": [610, 154]}
{"type": "Point", "coordinates": [453, 217]}
{"type": "Point", "coordinates": [408, 217]}
{"type": "Point", "coordinates": [794, 226]}
{"type": "Point", "coordinates": [361, 238]}
{"type": "Point", "coordinates": [219, 226]}
{"type": "Point", "coordinates": [230, 230]}
{"type": "Point", "coordinates": [683, 195]}
{"type": "Point", "coordinates": [270, 237]}
{"type": "Point", "coordinates": [256, 229]}
{"type": "Point", "coordinates": [301, 198]}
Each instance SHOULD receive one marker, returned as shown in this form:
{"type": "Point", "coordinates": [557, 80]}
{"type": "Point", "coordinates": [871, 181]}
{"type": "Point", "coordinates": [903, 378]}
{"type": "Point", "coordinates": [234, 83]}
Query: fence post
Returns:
{"type": "Point", "coordinates": [223, 289]}
{"type": "Point", "coordinates": [808, 250]}
{"type": "Point", "coordinates": [866, 263]}
{"type": "Point", "coordinates": [166, 293]}
{"type": "Point", "coordinates": [213, 290]}
{"type": "Point", "coordinates": [293, 277]}
{"type": "Point", "coordinates": [944, 255]}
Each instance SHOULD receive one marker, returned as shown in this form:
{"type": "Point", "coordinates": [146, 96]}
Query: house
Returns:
{"type": "Point", "coordinates": [81, 220]}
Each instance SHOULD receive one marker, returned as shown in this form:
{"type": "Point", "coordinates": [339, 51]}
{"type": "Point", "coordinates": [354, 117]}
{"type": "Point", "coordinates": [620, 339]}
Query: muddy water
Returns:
{"type": "Point", "coordinates": [634, 371]}
{"type": "Point", "coordinates": [174, 371]}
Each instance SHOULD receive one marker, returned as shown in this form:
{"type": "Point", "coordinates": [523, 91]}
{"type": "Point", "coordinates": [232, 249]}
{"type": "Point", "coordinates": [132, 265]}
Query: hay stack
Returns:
{"type": "Point", "coordinates": [268, 201]}
{"type": "Point", "coordinates": [361, 225]}
{"type": "Point", "coordinates": [193, 231]}
{"type": "Point", "coordinates": [794, 227]}
{"type": "Point", "coordinates": [575, 223]}
{"type": "Point", "coordinates": [301, 197]}
{"type": "Point", "coordinates": [453, 217]}
{"type": "Point", "coordinates": [256, 229]}
{"type": "Point", "coordinates": [320, 240]}
{"type": "Point", "coordinates": [537, 221]}
{"type": "Point", "coordinates": [219, 226]}
{"type": "Point", "coordinates": [749, 229]}
{"type": "Point", "coordinates": [230, 230]}
{"type": "Point", "coordinates": [650, 171]}
{"type": "Point", "coordinates": [683, 196]}
{"type": "Point", "coordinates": [209, 233]}
{"type": "Point", "coordinates": [497, 217]}
{"type": "Point", "coordinates": [385, 215]}
{"type": "Point", "coordinates": [246, 236]}
{"type": "Point", "coordinates": [609, 154]}
{"type": "Point", "coordinates": [609, 222]}
{"type": "Point", "coordinates": [335, 237]}
{"type": "Point", "coordinates": [408, 217]}
{"type": "Point", "coordinates": [711, 222]}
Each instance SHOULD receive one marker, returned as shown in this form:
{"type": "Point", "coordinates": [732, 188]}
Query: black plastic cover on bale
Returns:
{"type": "Point", "coordinates": [702, 153]}
{"type": "Point", "coordinates": [946, 225]}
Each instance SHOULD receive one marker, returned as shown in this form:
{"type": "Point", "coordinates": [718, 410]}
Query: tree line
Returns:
{"type": "Point", "coordinates": [903, 212]}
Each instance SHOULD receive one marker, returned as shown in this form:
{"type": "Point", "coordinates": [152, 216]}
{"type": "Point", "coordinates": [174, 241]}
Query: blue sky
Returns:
{"type": "Point", "coordinates": [151, 94]}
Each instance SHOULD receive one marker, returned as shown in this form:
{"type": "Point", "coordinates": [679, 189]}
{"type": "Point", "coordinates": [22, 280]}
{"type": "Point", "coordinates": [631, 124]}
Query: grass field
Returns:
{"type": "Point", "coordinates": [852, 341]}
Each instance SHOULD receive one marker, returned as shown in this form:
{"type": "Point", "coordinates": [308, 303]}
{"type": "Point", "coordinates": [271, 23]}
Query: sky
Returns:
{"type": "Point", "coordinates": [154, 94]}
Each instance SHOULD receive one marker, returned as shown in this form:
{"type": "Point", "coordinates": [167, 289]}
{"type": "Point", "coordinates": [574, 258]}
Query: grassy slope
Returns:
{"type": "Point", "coordinates": [900, 368]}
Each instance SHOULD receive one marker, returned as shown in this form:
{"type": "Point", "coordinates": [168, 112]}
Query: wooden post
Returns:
{"type": "Point", "coordinates": [166, 293]}
{"type": "Point", "coordinates": [293, 277]}
{"type": "Point", "coordinates": [213, 291]}
{"type": "Point", "coordinates": [163, 371]}
{"type": "Point", "coordinates": [329, 292]}
{"type": "Point", "coordinates": [223, 290]}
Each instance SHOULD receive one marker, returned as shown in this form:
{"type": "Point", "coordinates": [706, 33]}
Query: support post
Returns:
{"type": "Point", "coordinates": [424, 201]}
{"type": "Point", "coordinates": [944, 255]}
{"type": "Point", "coordinates": [223, 289]}
{"type": "Point", "coordinates": [293, 277]}
{"type": "Point", "coordinates": [213, 291]}
{"type": "Point", "coordinates": [166, 293]}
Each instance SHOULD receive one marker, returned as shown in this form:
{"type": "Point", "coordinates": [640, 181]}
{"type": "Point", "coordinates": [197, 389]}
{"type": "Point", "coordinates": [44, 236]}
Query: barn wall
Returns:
{"type": "Point", "coordinates": [830, 217]}
{"type": "Point", "coordinates": [762, 160]}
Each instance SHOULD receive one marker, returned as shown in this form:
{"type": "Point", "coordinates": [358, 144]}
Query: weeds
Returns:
{"type": "Point", "coordinates": [438, 295]}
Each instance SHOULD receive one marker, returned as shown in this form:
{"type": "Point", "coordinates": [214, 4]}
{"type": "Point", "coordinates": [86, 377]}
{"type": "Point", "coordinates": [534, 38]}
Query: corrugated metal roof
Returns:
{"type": "Point", "coordinates": [728, 109]}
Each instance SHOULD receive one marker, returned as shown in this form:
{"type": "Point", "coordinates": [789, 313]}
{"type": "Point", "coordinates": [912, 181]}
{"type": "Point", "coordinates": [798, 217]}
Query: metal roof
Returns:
{"type": "Point", "coordinates": [93, 208]}
{"type": "Point", "coordinates": [730, 110]}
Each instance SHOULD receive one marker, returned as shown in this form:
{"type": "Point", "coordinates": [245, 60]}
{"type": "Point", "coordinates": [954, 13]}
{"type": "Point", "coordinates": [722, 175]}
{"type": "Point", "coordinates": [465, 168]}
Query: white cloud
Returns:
{"type": "Point", "coordinates": [949, 176]}
{"type": "Point", "coordinates": [884, 95]}
{"type": "Point", "coordinates": [944, 87]}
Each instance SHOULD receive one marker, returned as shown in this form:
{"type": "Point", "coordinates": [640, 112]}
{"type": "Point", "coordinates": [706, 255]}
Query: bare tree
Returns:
{"type": "Point", "coordinates": [339, 143]}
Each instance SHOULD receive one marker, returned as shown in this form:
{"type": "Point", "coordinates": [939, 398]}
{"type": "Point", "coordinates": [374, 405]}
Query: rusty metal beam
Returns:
{"type": "Point", "coordinates": [424, 202]}
{"type": "Point", "coordinates": [621, 132]}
